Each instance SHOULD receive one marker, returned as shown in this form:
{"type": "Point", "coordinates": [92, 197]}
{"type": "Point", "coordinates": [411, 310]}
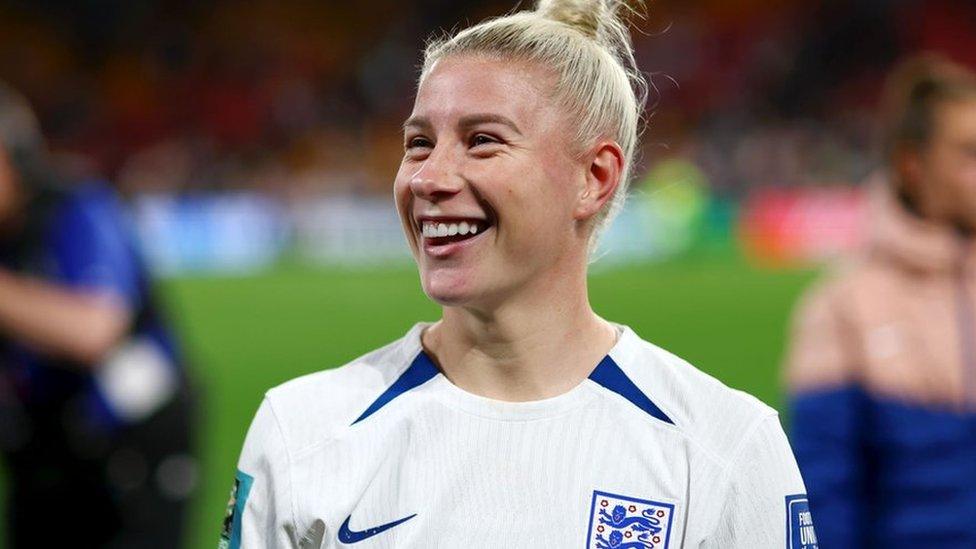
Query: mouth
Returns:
{"type": "Point", "coordinates": [442, 236]}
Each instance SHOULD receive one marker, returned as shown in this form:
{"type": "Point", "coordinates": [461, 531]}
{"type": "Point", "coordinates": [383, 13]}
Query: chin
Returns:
{"type": "Point", "coordinates": [449, 287]}
{"type": "Point", "coordinates": [447, 295]}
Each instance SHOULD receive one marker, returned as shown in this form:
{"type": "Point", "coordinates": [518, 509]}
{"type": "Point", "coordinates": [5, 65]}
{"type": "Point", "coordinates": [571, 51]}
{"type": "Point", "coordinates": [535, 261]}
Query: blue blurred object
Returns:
{"type": "Point", "coordinates": [908, 471]}
{"type": "Point", "coordinates": [227, 233]}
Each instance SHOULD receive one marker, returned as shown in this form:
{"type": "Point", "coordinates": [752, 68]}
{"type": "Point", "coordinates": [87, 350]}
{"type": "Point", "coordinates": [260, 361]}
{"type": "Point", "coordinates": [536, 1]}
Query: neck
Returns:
{"type": "Point", "coordinates": [535, 346]}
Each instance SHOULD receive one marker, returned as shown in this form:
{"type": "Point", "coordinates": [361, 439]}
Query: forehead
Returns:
{"type": "Point", "coordinates": [457, 86]}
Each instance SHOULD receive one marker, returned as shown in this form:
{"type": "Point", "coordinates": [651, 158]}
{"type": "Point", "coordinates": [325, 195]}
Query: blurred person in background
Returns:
{"type": "Point", "coordinates": [882, 368]}
{"type": "Point", "coordinates": [520, 418]}
{"type": "Point", "coordinates": [94, 404]}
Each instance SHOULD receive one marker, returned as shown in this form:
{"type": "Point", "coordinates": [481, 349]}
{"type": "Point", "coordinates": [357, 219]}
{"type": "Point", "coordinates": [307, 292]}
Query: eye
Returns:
{"type": "Point", "coordinates": [483, 139]}
{"type": "Point", "coordinates": [418, 143]}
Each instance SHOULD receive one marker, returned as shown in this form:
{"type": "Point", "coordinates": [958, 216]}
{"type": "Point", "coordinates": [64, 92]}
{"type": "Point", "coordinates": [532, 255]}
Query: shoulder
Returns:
{"type": "Point", "coordinates": [845, 286]}
{"type": "Point", "coordinates": [91, 196]}
{"type": "Point", "coordinates": [86, 207]}
{"type": "Point", "coordinates": [317, 406]}
{"type": "Point", "coordinates": [712, 416]}
{"type": "Point", "coordinates": [827, 320]}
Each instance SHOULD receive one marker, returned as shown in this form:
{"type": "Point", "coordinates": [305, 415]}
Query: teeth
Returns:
{"type": "Point", "coordinates": [431, 229]}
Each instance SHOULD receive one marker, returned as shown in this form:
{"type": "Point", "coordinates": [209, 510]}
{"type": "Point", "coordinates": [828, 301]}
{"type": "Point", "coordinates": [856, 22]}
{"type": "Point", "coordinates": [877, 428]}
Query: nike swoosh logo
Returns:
{"type": "Point", "coordinates": [350, 536]}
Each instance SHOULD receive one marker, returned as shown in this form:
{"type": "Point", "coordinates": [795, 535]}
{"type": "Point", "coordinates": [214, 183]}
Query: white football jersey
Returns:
{"type": "Point", "coordinates": [648, 452]}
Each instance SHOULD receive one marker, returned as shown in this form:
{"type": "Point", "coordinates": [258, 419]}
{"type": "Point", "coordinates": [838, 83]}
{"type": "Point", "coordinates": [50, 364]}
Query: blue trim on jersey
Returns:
{"type": "Point", "coordinates": [611, 377]}
{"type": "Point", "coordinates": [242, 490]}
{"type": "Point", "coordinates": [420, 371]}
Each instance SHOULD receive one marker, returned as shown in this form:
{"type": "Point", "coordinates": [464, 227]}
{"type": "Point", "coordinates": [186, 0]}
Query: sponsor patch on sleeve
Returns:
{"type": "Point", "coordinates": [230, 534]}
{"type": "Point", "coordinates": [799, 523]}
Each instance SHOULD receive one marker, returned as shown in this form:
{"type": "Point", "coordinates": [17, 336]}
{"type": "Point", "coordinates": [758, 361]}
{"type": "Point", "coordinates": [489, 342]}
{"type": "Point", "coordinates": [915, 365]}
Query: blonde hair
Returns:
{"type": "Point", "coordinates": [587, 45]}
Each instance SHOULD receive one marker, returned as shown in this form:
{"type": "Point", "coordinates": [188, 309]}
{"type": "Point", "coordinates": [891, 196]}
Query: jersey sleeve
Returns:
{"type": "Point", "coordinates": [765, 503]}
{"type": "Point", "coordinates": [259, 513]}
{"type": "Point", "coordinates": [92, 249]}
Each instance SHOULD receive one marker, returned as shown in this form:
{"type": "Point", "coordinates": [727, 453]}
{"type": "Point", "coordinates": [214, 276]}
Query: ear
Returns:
{"type": "Point", "coordinates": [604, 169]}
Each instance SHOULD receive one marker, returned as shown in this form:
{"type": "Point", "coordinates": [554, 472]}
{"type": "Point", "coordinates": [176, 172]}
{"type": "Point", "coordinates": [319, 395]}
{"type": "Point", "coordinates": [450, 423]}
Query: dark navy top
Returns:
{"type": "Point", "coordinates": [80, 239]}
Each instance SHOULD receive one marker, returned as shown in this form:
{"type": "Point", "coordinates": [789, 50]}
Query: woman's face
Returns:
{"type": "Point", "coordinates": [489, 181]}
{"type": "Point", "coordinates": [951, 160]}
{"type": "Point", "coordinates": [947, 165]}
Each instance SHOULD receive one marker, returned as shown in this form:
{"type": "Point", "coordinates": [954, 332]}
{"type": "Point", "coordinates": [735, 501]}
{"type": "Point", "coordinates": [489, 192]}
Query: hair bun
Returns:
{"type": "Point", "coordinates": [605, 21]}
{"type": "Point", "coordinates": [586, 16]}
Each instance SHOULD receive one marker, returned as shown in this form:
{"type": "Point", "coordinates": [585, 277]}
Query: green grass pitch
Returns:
{"type": "Point", "coordinates": [245, 335]}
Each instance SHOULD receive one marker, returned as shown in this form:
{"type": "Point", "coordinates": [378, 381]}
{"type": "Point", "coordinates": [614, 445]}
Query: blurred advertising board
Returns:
{"type": "Point", "coordinates": [227, 233]}
{"type": "Point", "coordinates": [795, 226]}
{"type": "Point", "coordinates": [241, 232]}
{"type": "Point", "coordinates": [348, 231]}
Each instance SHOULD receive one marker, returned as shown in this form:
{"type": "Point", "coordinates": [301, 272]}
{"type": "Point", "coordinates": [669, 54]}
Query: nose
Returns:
{"type": "Point", "coordinates": [437, 178]}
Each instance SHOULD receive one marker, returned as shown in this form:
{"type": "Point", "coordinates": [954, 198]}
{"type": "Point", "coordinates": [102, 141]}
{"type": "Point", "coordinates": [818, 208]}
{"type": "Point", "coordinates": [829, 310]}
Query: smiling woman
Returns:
{"type": "Point", "coordinates": [520, 417]}
{"type": "Point", "coordinates": [526, 191]}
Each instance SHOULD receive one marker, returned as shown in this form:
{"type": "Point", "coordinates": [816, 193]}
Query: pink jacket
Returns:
{"type": "Point", "coordinates": [898, 319]}
{"type": "Point", "coordinates": [882, 378]}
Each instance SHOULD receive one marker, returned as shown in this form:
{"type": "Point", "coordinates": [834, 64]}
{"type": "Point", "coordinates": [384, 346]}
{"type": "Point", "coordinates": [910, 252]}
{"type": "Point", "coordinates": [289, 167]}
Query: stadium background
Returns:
{"type": "Point", "coordinates": [257, 143]}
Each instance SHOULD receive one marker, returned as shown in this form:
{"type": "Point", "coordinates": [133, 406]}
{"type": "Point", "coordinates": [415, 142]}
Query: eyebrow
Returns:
{"type": "Point", "coordinates": [466, 121]}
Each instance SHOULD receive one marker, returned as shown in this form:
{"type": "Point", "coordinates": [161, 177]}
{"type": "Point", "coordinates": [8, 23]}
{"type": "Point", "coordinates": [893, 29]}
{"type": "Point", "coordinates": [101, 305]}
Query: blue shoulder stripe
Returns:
{"type": "Point", "coordinates": [420, 371]}
{"type": "Point", "coordinates": [611, 377]}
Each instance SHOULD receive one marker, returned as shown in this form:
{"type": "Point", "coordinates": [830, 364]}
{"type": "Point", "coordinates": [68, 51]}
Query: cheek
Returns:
{"type": "Point", "coordinates": [968, 173]}
{"type": "Point", "coordinates": [401, 184]}
{"type": "Point", "coordinates": [960, 173]}
{"type": "Point", "coordinates": [403, 198]}
{"type": "Point", "coordinates": [558, 192]}
{"type": "Point", "coordinates": [540, 221]}
{"type": "Point", "coordinates": [402, 195]}
{"type": "Point", "coordinates": [545, 186]}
